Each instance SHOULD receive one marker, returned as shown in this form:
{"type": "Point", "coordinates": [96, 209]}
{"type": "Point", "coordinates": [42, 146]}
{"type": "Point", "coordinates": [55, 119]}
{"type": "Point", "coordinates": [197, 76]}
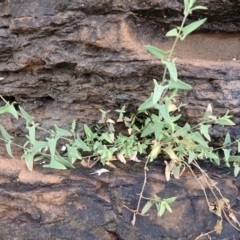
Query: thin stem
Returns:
{"type": "Point", "coordinates": [143, 187]}
{"type": "Point", "coordinates": [174, 45]}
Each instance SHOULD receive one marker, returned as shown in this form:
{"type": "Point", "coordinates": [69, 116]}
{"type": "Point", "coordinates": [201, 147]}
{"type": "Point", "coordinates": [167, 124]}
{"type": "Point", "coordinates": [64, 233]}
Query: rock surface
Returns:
{"type": "Point", "coordinates": [63, 60]}
{"type": "Point", "coordinates": [51, 205]}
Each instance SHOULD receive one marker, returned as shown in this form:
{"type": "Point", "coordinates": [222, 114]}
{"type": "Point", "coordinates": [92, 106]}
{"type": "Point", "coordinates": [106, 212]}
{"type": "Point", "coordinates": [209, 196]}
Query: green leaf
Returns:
{"type": "Point", "coordinates": [146, 208]}
{"type": "Point", "coordinates": [5, 134]}
{"type": "Point", "coordinates": [208, 112]}
{"type": "Point", "coordinates": [147, 131]}
{"type": "Point", "coordinates": [87, 131]}
{"type": "Point", "coordinates": [54, 164]}
{"type": "Point", "coordinates": [106, 137]}
{"type": "Point", "coordinates": [170, 200]}
{"type": "Point", "coordinates": [238, 146]}
{"type": "Point", "coordinates": [161, 208]}
{"type": "Point", "coordinates": [9, 109]}
{"type": "Point", "coordinates": [172, 33]}
{"type": "Point", "coordinates": [29, 156]}
{"type": "Point", "coordinates": [156, 52]}
{"type": "Point", "coordinates": [191, 27]}
{"type": "Point", "coordinates": [158, 126]}
{"type": "Point", "coordinates": [204, 131]}
{"type": "Point", "coordinates": [196, 136]}
{"type": "Point", "coordinates": [63, 161]}
{"type": "Point", "coordinates": [234, 159]}
{"type": "Point", "coordinates": [61, 132]}
{"type": "Point", "coordinates": [226, 154]}
{"type": "Point", "coordinates": [73, 126]}
{"type": "Point", "coordinates": [179, 85]}
{"type": "Point", "coordinates": [31, 131]}
{"type": "Point", "coordinates": [236, 170]}
{"type": "Point", "coordinates": [198, 8]}
{"type": "Point", "coordinates": [213, 156]}
{"type": "Point", "coordinates": [225, 121]}
{"type": "Point", "coordinates": [227, 139]}
{"type": "Point", "coordinates": [52, 142]}
{"type": "Point", "coordinates": [172, 70]}
{"type": "Point", "coordinates": [158, 91]}
{"type": "Point", "coordinates": [191, 156]}
{"type": "Point", "coordinates": [186, 6]}
{"type": "Point", "coordinates": [8, 148]}
{"type": "Point", "coordinates": [72, 153]}
{"type": "Point", "coordinates": [39, 145]}
{"type": "Point", "coordinates": [26, 116]}
{"type": "Point", "coordinates": [168, 208]}
{"type": "Point", "coordinates": [147, 104]}
{"type": "Point", "coordinates": [164, 112]}
{"type": "Point", "coordinates": [80, 144]}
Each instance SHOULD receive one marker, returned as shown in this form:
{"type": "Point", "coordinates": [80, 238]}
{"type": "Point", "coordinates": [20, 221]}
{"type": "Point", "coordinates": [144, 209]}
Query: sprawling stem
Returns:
{"type": "Point", "coordinates": [174, 45]}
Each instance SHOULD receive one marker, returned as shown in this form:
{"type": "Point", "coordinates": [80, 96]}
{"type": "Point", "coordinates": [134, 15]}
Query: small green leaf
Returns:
{"type": "Point", "coordinates": [80, 144]}
{"type": "Point", "coordinates": [227, 139]}
{"type": "Point", "coordinates": [39, 145]}
{"type": "Point", "coordinates": [26, 116]}
{"type": "Point", "coordinates": [191, 156]}
{"type": "Point", "coordinates": [234, 159]}
{"type": "Point", "coordinates": [196, 136]}
{"type": "Point", "coordinates": [204, 131]}
{"type": "Point", "coordinates": [61, 132]}
{"type": "Point", "coordinates": [147, 131]}
{"type": "Point", "coordinates": [170, 200]}
{"type": "Point", "coordinates": [226, 154]}
{"type": "Point", "coordinates": [191, 27]}
{"type": "Point", "coordinates": [63, 161]}
{"type": "Point", "coordinates": [72, 153]}
{"type": "Point", "coordinates": [158, 91]}
{"type": "Point", "coordinates": [146, 208]}
{"type": "Point", "coordinates": [172, 33]}
{"type": "Point", "coordinates": [29, 156]}
{"type": "Point", "coordinates": [225, 121]}
{"type": "Point", "coordinates": [158, 126]}
{"type": "Point", "coordinates": [31, 131]}
{"type": "Point", "coordinates": [186, 6]}
{"type": "Point", "coordinates": [54, 164]}
{"type": "Point", "coordinates": [9, 109]}
{"type": "Point", "coordinates": [156, 52]}
{"type": "Point", "coordinates": [8, 148]}
{"type": "Point", "coordinates": [164, 112]}
{"type": "Point", "coordinates": [88, 131]}
{"type": "Point", "coordinates": [5, 134]}
{"type": "Point", "coordinates": [179, 85]}
{"type": "Point", "coordinates": [52, 142]}
{"type": "Point", "coordinates": [198, 8]}
{"type": "Point", "coordinates": [73, 126]}
{"type": "Point", "coordinates": [236, 170]}
{"type": "Point", "coordinates": [172, 70]}
{"type": "Point", "coordinates": [161, 208]}
{"type": "Point", "coordinates": [208, 112]}
{"type": "Point", "coordinates": [168, 208]}
{"type": "Point", "coordinates": [147, 104]}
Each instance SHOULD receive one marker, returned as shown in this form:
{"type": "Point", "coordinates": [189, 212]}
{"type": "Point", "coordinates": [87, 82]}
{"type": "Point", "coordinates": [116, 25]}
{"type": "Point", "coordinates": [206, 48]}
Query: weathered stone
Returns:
{"type": "Point", "coordinates": [63, 60]}
{"type": "Point", "coordinates": [47, 204]}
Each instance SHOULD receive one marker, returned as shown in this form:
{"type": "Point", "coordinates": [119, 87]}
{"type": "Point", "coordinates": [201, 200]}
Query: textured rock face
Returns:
{"type": "Point", "coordinates": [63, 60]}
{"type": "Point", "coordinates": [53, 205]}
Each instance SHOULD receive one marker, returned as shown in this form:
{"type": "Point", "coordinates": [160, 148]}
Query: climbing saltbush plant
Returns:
{"type": "Point", "coordinates": [152, 130]}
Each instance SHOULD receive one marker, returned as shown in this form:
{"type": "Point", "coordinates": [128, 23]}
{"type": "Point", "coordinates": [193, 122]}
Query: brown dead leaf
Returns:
{"type": "Point", "coordinates": [218, 227]}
